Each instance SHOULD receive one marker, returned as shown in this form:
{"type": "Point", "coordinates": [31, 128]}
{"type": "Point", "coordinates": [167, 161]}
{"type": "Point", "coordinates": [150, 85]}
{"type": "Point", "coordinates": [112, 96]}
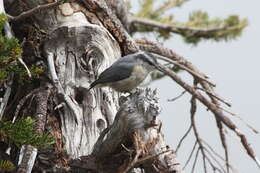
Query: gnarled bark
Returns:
{"type": "Point", "coordinates": [134, 140]}
{"type": "Point", "coordinates": [75, 48]}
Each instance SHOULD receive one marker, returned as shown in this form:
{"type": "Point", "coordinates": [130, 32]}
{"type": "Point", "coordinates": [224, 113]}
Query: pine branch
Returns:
{"type": "Point", "coordinates": [169, 5]}
{"type": "Point", "coordinates": [192, 33]}
{"type": "Point", "coordinates": [9, 34]}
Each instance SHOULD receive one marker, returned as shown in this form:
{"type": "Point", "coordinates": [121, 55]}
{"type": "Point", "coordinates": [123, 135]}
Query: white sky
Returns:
{"type": "Point", "coordinates": [233, 66]}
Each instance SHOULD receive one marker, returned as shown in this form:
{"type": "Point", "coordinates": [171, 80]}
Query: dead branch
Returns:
{"type": "Point", "coordinates": [177, 97]}
{"type": "Point", "coordinates": [214, 95]}
{"type": "Point", "coordinates": [120, 8]}
{"type": "Point", "coordinates": [160, 50]}
{"type": "Point", "coordinates": [209, 149]}
{"type": "Point", "coordinates": [34, 10]}
{"type": "Point", "coordinates": [223, 142]}
{"type": "Point", "coordinates": [214, 109]}
{"type": "Point", "coordinates": [193, 73]}
{"type": "Point", "coordinates": [183, 138]}
{"type": "Point", "coordinates": [112, 24]}
{"type": "Point", "coordinates": [190, 156]}
{"type": "Point", "coordinates": [22, 102]}
{"type": "Point", "coordinates": [195, 161]}
{"type": "Point", "coordinates": [26, 158]}
{"type": "Point", "coordinates": [138, 148]}
{"type": "Point", "coordinates": [196, 133]}
{"type": "Point", "coordinates": [213, 106]}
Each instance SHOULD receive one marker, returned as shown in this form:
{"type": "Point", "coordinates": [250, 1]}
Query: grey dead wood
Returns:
{"type": "Point", "coordinates": [136, 130]}
{"type": "Point", "coordinates": [76, 51]}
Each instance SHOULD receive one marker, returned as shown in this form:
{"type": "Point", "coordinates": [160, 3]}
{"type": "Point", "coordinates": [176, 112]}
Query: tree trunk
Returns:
{"type": "Point", "coordinates": [74, 48]}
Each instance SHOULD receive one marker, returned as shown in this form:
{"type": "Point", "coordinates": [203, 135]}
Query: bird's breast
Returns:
{"type": "Point", "coordinates": [137, 76]}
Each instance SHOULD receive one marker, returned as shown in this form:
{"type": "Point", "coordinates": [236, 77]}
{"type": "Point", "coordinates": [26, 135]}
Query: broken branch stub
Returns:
{"type": "Point", "coordinates": [136, 130]}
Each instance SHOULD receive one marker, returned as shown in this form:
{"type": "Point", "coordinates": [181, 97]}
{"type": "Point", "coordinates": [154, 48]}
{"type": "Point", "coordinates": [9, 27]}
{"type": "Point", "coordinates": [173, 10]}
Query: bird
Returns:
{"type": "Point", "coordinates": [127, 73]}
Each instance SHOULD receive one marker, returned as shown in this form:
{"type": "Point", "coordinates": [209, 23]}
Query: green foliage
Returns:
{"type": "Point", "coordinates": [10, 50]}
{"type": "Point", "coordinates": [22, 75]}
{"type": "Point", "coordinates": [3, 19]}
{"type": "Point", "coordinates": [6, 166]}
{"type": "Point", "coordinates": [22, 132]}
{"type": "Point", "coordinates": [198, 27]}
{"type": "Point", "coordinates": [147, 11]}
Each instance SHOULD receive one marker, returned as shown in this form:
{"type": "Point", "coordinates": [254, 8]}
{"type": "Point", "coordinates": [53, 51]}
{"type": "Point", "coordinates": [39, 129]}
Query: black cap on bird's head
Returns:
{"type": "Point", "coordinates": [147, 58]}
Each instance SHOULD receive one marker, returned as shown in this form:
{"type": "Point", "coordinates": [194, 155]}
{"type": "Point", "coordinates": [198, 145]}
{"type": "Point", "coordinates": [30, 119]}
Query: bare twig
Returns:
{"type": "Point", "coordinates": [143, 159]}
{"type": "Point", "coordinates": [223, 141]}
{"type": "Point", "coordinates": [216, 161]}
{"type": "Point", "coordinates": [194, 73]}
{"type": "Point", "coordinates": [195, 160]}
{"type": "Point", "coordinates": [25, 66]}
{"type": "Point", "coordinates": [190, 156]}
{"type": "Point", "coordinates": [128, 150]}
{"type": "Point", "coordinates": [214, 168]}
{"type": "Point", "coordinates": [182, 139]}
{"type": "Point", "coordinates": [193, 124]}
{"type": "Point", "coordinates": [241, 119]}
{"type": "Point", "coordinates": [32, 11]}
{"type": "Point", "coordinates": [247, 124]}
{"type": "Point", "coordinates": [160, 50]}
{"type": "Point", "coordinates": [175, 98]}
{"type": "Point", "coordinates": [138, 152]}
{"type": "Point", "coordinates": [214, 95]}
{"type": "Point", "coordinates": [218, 155]}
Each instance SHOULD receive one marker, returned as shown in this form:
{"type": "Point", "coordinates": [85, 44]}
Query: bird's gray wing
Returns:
{"type": "Point", "coordinates": [116, 72]}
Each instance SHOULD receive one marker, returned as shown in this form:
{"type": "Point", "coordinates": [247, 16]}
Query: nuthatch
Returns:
{"type": "Point", "coordinates": [126, 73]}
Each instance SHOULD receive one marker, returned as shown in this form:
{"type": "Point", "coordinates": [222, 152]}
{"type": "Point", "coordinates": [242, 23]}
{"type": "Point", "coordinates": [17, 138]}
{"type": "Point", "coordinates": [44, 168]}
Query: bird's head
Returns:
{"type": "Point", "coordinates": [147, 60]}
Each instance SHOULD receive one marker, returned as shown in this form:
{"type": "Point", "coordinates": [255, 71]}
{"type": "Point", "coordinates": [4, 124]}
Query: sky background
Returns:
{"type": "Point", "coordinates": [233, 66]}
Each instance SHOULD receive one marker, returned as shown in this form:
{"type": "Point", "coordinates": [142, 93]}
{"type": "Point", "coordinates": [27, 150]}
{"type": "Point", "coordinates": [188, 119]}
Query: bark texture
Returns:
{"type": "Point", "coordinates": [73, 46]}
{"type": "Point", "coordinates": [134, 140]}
